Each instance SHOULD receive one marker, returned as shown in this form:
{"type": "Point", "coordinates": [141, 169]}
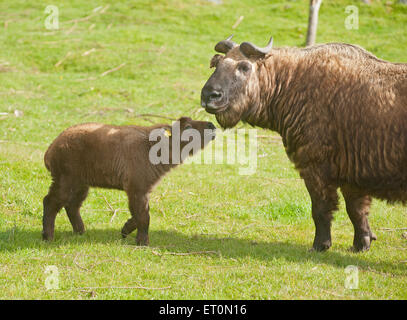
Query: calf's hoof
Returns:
{"type": "Point", "coordinates": [79, 232]}
{"type": "Point", "coordinates": [124, 232]}
{"type": "Point", "coordinates": [47, 237]}
{"type": "Point", "coordinates": [142, 240]}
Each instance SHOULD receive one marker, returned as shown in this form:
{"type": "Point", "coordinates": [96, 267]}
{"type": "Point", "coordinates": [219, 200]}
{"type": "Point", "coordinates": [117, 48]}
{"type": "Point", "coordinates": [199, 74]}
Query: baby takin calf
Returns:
{"type": "Point", "coordinates": [129, 158]}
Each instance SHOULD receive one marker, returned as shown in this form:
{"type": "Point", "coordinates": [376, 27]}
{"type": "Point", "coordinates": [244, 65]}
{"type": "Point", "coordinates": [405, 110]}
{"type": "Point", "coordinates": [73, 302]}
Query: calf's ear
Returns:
{"type": "Point", "coordinates": [167, 132]}
{"type": "Point", "coordinates": [164, 132]}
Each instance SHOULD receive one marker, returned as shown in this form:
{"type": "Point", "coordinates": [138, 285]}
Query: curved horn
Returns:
{"type": "Point", "coordinates": [225, 45]}
{"type": "Point", "coordinates": [250, 50]}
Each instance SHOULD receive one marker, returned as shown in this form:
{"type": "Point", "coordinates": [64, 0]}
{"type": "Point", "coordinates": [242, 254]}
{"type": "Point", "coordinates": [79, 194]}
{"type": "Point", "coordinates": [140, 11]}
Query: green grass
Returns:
{"type": "Point", "coordinates": [257, 229]}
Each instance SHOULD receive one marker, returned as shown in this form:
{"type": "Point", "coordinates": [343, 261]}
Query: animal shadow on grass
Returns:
{"type": "Point", "coordinates": [168, 241]}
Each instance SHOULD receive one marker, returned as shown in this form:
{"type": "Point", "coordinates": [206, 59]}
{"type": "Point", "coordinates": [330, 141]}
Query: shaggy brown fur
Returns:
{"type": "Point", "coordinates": [342, 115]}
{"type": "Point", "coordinates": [99, 155]}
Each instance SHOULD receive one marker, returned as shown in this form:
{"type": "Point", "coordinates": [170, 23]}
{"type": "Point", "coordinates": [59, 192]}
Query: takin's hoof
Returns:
{"type": "Point", "coordinates": [321, 246]}
{"type": "Point", "coordinates": [362, 243]}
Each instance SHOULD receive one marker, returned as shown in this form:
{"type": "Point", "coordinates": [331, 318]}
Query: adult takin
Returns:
{"type": "Point", "coordinates": [341, 113]}
{"type": "Point", "coordinates": [117, 157]}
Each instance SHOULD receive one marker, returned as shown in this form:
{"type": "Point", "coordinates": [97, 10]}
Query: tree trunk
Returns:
{"type": "Point", "coordinates": [313, 21]}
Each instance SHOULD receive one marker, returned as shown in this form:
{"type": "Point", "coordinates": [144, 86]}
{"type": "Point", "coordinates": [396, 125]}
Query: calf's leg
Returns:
{"type": "Point", "coordinates": [52, 205]}
{"type": "Point", "coordinates": [357, 207]}
{"type": "Point", "coordinates": [73, 206]}
{"type": "Point", "coordinates": [140, 217]}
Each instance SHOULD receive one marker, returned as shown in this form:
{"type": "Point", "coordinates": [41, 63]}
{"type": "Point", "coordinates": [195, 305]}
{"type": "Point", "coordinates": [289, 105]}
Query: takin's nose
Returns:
{"type": "Point", "coordinates": [210, 95]}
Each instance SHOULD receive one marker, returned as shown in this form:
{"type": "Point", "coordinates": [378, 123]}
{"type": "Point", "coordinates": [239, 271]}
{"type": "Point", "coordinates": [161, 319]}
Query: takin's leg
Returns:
{"type": "Point", "coordinates": [357, 206]}
{"type": "Point", "coordinates": [53, 202]}
{"type": "Point", "coordinates": [324, 198]}
{"type": "Point", "coordinates": [73, 206]}
{"type": "Point", "coordinates": [140, 217]}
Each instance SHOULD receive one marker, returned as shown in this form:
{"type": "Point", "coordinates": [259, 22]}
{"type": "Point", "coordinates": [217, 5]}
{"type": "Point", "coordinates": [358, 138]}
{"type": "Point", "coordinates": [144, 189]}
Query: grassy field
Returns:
{"type": "Point", "coordinates": [214, 234]}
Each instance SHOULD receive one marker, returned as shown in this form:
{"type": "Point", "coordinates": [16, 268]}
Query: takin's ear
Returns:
{"type": "Point", "coordinates": [215, 60]}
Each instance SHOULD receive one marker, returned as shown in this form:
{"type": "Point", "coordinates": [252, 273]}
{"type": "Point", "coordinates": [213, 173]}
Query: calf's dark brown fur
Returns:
{"type": "Point", "coordinates": [117, 157]}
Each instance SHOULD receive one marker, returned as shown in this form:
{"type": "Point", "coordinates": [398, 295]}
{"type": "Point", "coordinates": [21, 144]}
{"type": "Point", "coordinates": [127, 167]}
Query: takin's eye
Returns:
{"type": "Point", "coordinates": [244, 66]}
